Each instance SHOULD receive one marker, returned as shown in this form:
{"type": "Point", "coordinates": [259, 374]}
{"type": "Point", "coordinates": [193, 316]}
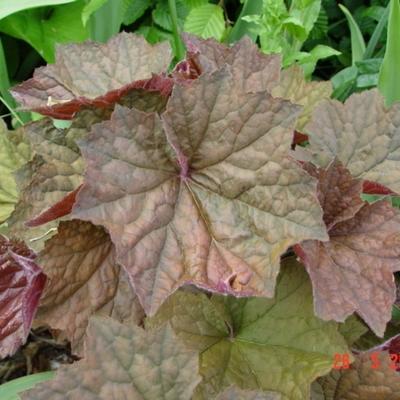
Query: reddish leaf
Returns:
{"type": "Point", "coordinates": [58, 210]}
{"type": "Point", "coordinates": [21, 284]}
{"type": "Point", "coordinates": [188, 199]}
{"type": "Point", "coordinates": [84, 279]}
{"type": "Point", "coordinates": [353, 271]}
{"type": "Point", "coordinates": [299, 138]}
{"type": "Point", "coordinates": [375, 188]}
{"type": "Point", "coordinates": [94, 74]}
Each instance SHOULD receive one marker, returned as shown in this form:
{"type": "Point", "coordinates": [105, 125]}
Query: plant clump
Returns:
{"type": "Point", "coordinates": [167, 213]}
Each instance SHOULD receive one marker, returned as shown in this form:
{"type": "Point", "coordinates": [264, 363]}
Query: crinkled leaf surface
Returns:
{"type": "Point", "coordinates": [354, 270]}
{"type": "Point", "coordinates": [92, 74]}
{"type": "Point", "coordinates": [14, 152]}
{"type": "Point", "coordinates": [362, 133]}
{"type": "Point", "coordinates": [125, 362]}
{"type": "Point", "coordinates": [258, 344]}
{"type": "Point", "coordinates": [83, 279]}
{"type": "Point", "coordinates": [294, 87]}
{"type": "Point", "coordinates": [30, 204]}
{"type": "Point", "coordinates": [59, 150]}
{"type": "Point", "coordinates": [206, 195]}
{"type": "Point", "coordinates": [234, 393]}
{"type": "Point", "coordinates": [21, 284]}
{"type": "Point", "coordinates": [55, 171]}
{"type": "Point", "coordinates": [372, 376]}
{"type": "Point", "coordinates": [252, 70]}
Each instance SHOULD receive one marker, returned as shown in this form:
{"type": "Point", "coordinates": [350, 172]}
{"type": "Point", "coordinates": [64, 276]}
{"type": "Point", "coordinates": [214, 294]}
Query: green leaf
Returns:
{"type": "Point", "coordinates": [10, 390]}
{"type": "Point", "coordinates": [319, 52]}
{"type": "Point", "coordinates": [135, 9]}
{"type": "Point", "coordinates": [256, 343]}
{"type": "Point", "coordinates": [63, 26]}
{"type": "Point", "coordinates": [343, 82]}
{"type": "Point", "coordinates": [90, 8]}
{"type": "Point", "coordinates": [376, 35]}
{"type": "Point", "coordinates": [306, 12]}
{"type": "Point", "coordinates": [389, 84]}
{"type": "Point", "coordinates": [357, 40]}
{"type": "Point", "coordinates": [8, 7]}
{"type": "Point", "coordinates": [107, 20]}
{"type": "Point", "coordinates": [193, 3]}
{"type": "Point", "coordinates": [243, 27]}
{"type": "Point", "coordinates": [206, 21]}
{"type": "Point", "coordinates": [162, 17]}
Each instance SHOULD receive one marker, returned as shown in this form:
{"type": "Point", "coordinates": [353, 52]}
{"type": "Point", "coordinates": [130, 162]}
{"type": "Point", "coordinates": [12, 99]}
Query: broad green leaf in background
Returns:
{"type": "Point", "coordinates": [6, 97]}
{"type": "Point", "coordinates": [11, 389]}
{"type": "Point", "coordinates": [274, 344]}
{"type": "Point", "coordinates": [389, 78]}
{"type": "Point", "coordinates": [194, 3]}
{"type": "Point", "coordinates": [14, 152]}
{"type": "Point", "coordinates": [161, 15]}
{"type": "Point", "coordinates": [42, 33]}
{"type": "Point", "coordinates": [283, 30]}
{"type": "Point", "coordinates": [90, 8]}
{"type": "Point", "coordinates": [206, 21]}
{"type": "Point", "coordinates": [319, 52]}
{"type": "Point", "coordinates": [357, 40]}
{"type": "Point", "coordinates": [106, 21]}
{"type": "Point", "coordinates": [135, 9]}
{"type": "Point", "coordinates": [344, 82]}
{"type": "Point", "coordinates": [8, 7]}
{"type": "Point", "coordinates": [243, 27]}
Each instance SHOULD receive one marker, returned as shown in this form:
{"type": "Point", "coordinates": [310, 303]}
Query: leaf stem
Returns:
{"type": "Point", "coordinates": [179, 49]}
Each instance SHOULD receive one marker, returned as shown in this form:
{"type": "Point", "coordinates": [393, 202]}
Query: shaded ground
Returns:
{"type": "Point", "coordinates": [40, 353]}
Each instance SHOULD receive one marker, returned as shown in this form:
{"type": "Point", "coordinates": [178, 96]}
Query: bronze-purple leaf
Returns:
{"type": "Point", "coordinates": [205, 195]}
{"type": "Point", "coordinates": [353, 271]}
{"type": "Point", "coordinates": [362, 133]}
{"type": "Point", "coordinates": [21, 285]}
{"type": "Point", "coordinates": [95, 74]}
{"type": "Point", "coordinates": [84, 279]}
{"type": "Point", "coordinates": [373, 375]}
{"type": "Point", "coordinates": [122, 362]}
{"type": "Point", "coordinates": [252, 70]}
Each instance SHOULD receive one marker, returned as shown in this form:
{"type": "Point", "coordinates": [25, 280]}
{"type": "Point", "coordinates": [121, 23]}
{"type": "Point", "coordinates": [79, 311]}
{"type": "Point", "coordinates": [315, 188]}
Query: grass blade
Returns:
{"type": "Point", "coordinates": [376, 35]}
{"type": "Point", "coordinates": [357, 40]}
{"type": "Point", "coordinates": [389, 82]}
{"type": "Point", "coordinates": [10, 390]}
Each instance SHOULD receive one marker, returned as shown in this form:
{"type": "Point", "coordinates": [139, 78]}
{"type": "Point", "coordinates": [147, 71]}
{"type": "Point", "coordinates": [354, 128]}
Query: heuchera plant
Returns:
{"type": "Point", "coordinates": [167, 216]}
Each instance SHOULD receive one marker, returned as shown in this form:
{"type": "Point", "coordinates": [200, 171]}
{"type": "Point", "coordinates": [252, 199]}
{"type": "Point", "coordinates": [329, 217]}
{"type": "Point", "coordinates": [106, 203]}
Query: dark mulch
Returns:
{"type": "Point", "coordinates": [40, 353]}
